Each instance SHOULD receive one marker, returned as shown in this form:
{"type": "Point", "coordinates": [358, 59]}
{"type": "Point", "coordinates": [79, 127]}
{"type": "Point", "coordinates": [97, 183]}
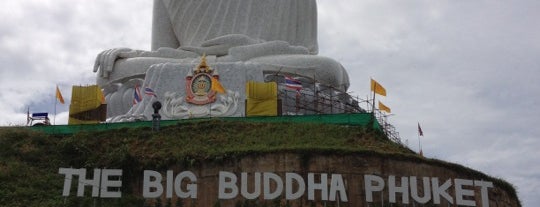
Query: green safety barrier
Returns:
{"type": "Point", "coordinates": [355, 119]}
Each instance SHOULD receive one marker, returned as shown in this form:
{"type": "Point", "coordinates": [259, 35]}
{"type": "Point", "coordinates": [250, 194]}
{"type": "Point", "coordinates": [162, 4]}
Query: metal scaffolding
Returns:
{"type": "Point", "coordinates": [313, 97]}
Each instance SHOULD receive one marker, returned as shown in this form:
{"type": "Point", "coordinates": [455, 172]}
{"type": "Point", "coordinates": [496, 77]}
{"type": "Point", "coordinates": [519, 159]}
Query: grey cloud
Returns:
{"type": "Point", "coordinates": [466, 70]}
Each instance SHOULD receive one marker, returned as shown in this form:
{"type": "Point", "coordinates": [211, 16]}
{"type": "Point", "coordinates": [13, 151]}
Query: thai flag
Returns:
{"type": "Point", "coordinates": [137, 98]}
{"type": "Point", "coordinates": [293, 83]}
{"type": "Point", "coordinates": [149, 91]}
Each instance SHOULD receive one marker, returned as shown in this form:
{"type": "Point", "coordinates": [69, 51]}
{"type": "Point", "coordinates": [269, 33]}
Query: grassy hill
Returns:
{"type": "Point", "coordinates": [29, 160]}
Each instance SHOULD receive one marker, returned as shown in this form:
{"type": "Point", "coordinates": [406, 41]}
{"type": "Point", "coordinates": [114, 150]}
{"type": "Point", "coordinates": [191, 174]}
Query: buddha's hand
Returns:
{"type": "Point", "coordinates": [105, 60]}
{"type": "Point", "coordinates": [220, 46]}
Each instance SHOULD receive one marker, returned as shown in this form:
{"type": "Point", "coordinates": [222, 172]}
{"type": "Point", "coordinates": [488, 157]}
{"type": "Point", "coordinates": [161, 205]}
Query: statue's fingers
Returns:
{"type": "Point", "coordinates": [109, 59]}
{"type": "Point", "coordinates": [101, 63]}
{"type": "Point", "coordinates": [129, 54]}
{"type": "Point", "coordinates": [124, 53]}
{"type": "Point", "coordinates": [96, 63]}
{"type": "Point", "coordinates": [112, 56]}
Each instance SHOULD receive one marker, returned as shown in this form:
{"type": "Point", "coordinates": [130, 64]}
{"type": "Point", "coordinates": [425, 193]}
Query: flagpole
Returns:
{"type": "Point", "coordinates": [372, 86]}
{"type": "Point", "coordinates": [316, 96]}
{"type": "Point", "coordinates": [28, 116]}
{"type": "Point", "coordinates": [373, 104]}
{"type": "Point", "coordinates": [55, 101]}
{"type": "Point", "coordinates": [419, 145]}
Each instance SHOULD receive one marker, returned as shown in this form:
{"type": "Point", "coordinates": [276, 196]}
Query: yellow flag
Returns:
{"type": "Point", "coordinates": [382, 107]}
{"type": "Point", "coordinates": [59, 95]}
{"type": "Point", "coordinates": [216, 86]}
{"type": "Point", "coordinates": [377, 88]}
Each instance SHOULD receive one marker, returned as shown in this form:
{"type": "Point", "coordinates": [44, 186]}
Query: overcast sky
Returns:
{"type": "Point", "coordinates": [465, 70]}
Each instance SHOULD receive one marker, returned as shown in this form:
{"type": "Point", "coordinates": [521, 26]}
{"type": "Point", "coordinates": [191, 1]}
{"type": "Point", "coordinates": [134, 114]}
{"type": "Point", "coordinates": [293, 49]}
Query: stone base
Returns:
{"type": "Point", "coordinates": [330, 179]}
{"type": "Point", "coordinates": [168, 81]}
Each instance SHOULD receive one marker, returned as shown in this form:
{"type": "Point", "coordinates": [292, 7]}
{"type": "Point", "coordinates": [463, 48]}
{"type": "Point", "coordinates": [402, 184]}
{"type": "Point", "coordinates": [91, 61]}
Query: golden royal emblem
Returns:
{"type": "Point", "coordinates": [199, 84]}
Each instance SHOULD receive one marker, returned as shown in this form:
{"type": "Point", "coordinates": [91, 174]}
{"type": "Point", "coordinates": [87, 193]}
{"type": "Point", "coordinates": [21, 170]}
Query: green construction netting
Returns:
{"type": "Point", "coordinates": [362, 119]}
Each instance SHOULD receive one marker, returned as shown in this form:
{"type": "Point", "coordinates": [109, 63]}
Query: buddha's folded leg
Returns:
{"type": "Point", "coordinates": [322, 69]}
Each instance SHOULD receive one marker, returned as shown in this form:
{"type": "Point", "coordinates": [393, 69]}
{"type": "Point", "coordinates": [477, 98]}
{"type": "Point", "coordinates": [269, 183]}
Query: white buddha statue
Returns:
{"type": "Point", "coordinates": [281, 34]}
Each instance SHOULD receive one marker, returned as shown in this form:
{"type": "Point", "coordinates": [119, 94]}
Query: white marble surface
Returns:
{"type": "Point", "coordinates": [168, 81]}
{"type": "Point", "coordinates": [274, 36]}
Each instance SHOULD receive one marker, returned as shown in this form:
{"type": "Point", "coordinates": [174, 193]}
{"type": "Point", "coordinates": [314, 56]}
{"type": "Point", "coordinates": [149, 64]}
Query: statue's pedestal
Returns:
{"type": "Point", "coordinates": [171, 83]}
